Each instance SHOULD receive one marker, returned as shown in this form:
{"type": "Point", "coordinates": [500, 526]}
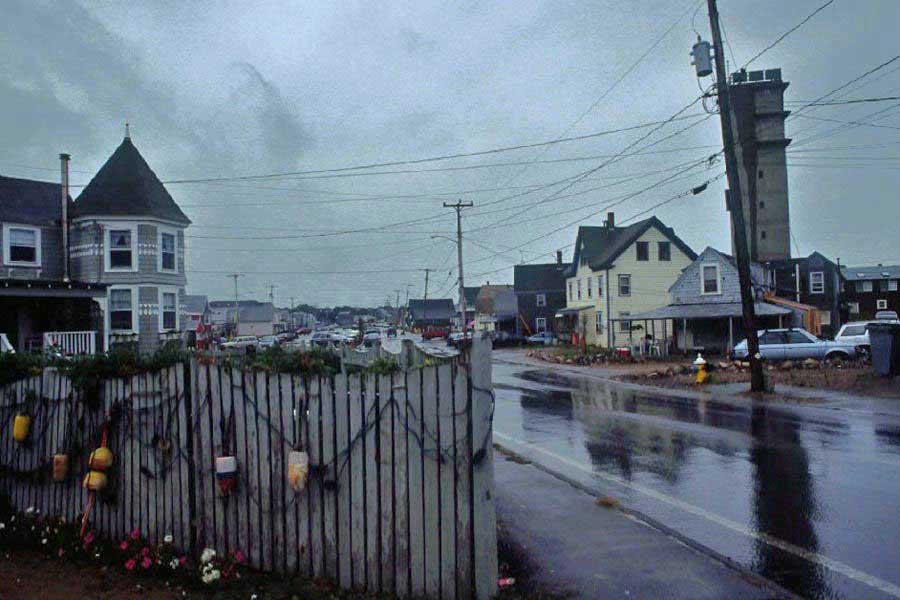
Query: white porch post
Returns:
{"type": "Point", "coordinates": [102, 302]}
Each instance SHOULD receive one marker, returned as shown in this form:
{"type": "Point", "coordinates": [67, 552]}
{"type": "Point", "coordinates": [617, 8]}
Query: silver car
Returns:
{"type": "Point", "coordinates": [796, 344]}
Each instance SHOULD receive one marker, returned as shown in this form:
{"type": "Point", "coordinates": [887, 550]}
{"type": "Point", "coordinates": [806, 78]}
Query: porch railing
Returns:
{"type": "Point", "coordinates": [71, 342]}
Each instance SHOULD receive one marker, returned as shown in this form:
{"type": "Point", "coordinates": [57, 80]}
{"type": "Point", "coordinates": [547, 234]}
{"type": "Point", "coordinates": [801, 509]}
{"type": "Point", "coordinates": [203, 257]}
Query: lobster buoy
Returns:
{"type": "Point", "coordinates": [226, 474]}
{"type": "Point", "coordinates": [60, 467]}
{"type": "Point", "coordinates": [94, 481]}
{"type": "Point", "coordinates": [21, 427]}
{"type": "Point", "coordinates": [298, 468]}
{"type": "Point", "coordinates": [100, 459]}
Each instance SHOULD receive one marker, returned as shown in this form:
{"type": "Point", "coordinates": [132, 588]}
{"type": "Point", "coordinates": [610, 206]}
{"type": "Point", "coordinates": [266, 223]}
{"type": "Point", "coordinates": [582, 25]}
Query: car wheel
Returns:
{"type": "Point", "coordinates": [837, 356]}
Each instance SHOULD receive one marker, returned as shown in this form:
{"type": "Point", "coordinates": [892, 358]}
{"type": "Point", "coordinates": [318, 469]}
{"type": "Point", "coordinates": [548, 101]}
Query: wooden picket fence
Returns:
{"type": "Point", "coordinates": [399, 494]}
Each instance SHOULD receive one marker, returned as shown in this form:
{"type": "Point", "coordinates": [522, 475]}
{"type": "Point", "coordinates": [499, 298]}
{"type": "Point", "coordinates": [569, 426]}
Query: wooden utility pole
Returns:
{"type": "Point", "coordinates": [735, 205]}
{"type": "Point", "coordinates": [237, 308]}
{"type": "Point", "coordinates": [459, 257]}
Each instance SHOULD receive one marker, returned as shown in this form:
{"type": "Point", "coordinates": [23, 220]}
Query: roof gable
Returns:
{"type": "Point", "coordinates": [126, 186]}
{"type": "Point", "coordinates": [601, 246]}
{"type": "Point", "coordinates": [540, 277]}
{"type": "Point", "coordinates": [30, 202]}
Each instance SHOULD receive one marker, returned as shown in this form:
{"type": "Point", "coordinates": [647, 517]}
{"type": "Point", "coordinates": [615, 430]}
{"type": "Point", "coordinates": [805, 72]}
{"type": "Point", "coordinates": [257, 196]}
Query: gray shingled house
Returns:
{"type": "Point", "coordinates": [41, 303]}
{"type": "Point", "coordinates": [127, 233]}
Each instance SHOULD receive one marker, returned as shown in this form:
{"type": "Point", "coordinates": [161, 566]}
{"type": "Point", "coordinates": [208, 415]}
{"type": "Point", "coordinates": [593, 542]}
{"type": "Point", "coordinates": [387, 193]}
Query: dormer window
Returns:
{"type": "Point", "coordinates": [121, 248]}
{"type": "Point", "coordinates": [21, 245]}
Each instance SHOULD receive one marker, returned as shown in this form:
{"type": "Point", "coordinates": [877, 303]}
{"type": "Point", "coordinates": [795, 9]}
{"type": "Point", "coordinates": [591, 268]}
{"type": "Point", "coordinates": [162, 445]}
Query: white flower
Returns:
{"type": "Point", "coordinates": [30, 510]}
{"type": "Point", "coordinates": [207, 555]}
{"type": "Point", "coordinates": [168, 538]}
{"type": "Point", "coordinates": [44, 541]}
{"type": "Point", "coordinates": [174, 564]}
{"type": "Point", "coordinates": [2, 526]}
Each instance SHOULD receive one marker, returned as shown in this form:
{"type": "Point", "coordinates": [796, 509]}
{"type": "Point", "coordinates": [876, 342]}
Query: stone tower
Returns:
{"type": "Point", "coordinates": [758, 116]}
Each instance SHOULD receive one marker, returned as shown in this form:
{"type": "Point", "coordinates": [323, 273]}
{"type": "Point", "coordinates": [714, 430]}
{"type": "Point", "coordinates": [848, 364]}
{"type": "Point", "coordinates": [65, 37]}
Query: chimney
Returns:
{"type": "Point", "coordinates": [559, 257]}
{"type": "Point", "coordinates": [610, 220]}
{"type": "Point", "coordinates": [64, 192]}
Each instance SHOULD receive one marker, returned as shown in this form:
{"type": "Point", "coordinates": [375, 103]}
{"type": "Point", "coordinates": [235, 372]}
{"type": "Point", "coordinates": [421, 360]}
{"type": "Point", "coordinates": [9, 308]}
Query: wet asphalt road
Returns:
{"type": "Point", "coordinates": [806, 495]}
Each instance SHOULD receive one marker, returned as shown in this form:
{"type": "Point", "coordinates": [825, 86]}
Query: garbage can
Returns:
{"type": "Point", "coordinates": [884, 340]}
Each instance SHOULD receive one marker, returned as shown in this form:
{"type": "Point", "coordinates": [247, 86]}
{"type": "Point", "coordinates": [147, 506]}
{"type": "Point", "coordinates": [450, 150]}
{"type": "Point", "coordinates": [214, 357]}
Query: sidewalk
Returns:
{"type": "Point", "coordinates": [577, 547]}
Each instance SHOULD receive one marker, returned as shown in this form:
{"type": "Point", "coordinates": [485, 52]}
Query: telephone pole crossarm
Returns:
{"type": "Point", "coordinates": [458, 206]}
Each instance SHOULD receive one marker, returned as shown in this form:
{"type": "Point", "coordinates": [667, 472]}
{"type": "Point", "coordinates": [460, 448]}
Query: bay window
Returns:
{"type": "Point", "coordinates": [167, 243]}
{"type": "Point", "coordinates": [120, 250]}
{"type": "Point", "coordinates": [121, 310]}
{"type": "Point", "coordinates": [168, 310]}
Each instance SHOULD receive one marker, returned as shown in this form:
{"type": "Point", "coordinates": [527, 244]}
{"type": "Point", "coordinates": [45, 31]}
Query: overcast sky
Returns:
{"type": "Point", "coordinates": [223, 89]}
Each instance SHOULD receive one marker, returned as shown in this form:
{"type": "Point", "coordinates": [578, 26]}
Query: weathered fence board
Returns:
{"type": "Point", "coordinates": [398, 494]}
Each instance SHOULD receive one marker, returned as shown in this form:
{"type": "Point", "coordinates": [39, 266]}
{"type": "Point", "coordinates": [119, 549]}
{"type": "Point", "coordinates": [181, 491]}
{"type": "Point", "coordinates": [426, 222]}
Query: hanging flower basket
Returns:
{"type": "Point", "coordinates": [60, 467]}
{"type": "Point", "coordinates": [21, 427]}
{"type": "Point", "coordinates": [227, 474]}
{"type": "Point", "coordinates": [298, 469]}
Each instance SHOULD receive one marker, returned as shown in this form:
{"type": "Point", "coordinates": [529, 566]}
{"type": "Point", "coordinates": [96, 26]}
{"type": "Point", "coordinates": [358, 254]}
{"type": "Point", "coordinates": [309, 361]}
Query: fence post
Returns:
{"type": "Point", "coordinates": [188, 386]}
{"type": "Point", "coordinates": [483, 518]}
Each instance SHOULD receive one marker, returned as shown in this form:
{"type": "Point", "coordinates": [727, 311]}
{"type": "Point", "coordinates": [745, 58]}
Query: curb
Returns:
{"type": "Point", "coordinates": [703, 549]}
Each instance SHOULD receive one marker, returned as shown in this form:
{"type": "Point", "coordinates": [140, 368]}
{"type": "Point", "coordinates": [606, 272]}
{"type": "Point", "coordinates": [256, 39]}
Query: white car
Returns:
{"type": "Point", "coordinates": [855, 333]}
{"type": "Point", "coordinates": [241, 342]}
{"type": "Point", "coordinates": [796, 344]}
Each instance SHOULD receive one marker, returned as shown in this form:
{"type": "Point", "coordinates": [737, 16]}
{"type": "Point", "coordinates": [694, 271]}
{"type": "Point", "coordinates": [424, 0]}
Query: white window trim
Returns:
{"type": "Point", "coordinates": [703, 291]}
{"type": "Point", "coordinates": [159, 249]}
{"type": "Point", "coordinates": [892, 285]}
{"type": "Point", "coordinates": [6, 245]}
{"type": "Point", "coordinates": [619, 284]}
{"type": "Point", "coordinates": [159, 300]}
{"type": "Point", "coordinates": [599, 286]}
{"type": "Point", "coordinates": [107, 246]}
{"type": "Point", "coordinates": [135, 310]}
{"type": "Point", "coordinates": [537, 324]}
{"type": "Point", "coordinates": [540, 300]}
{"type": "Point", "coordinates": [812, 287]}
{"type": "Point", "coordinates": [590, 287]}
{"type": "Point", "coordinates": [863, 283]}
{"type": "Point", "coordinates": [598, 321]}
{"type": "Point", "coordinates": [881, 304]}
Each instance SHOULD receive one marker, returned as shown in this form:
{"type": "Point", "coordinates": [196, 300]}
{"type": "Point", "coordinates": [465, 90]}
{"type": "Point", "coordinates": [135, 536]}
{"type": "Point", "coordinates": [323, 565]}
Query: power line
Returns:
{"type": "Point", "coordinates": [789, 32]}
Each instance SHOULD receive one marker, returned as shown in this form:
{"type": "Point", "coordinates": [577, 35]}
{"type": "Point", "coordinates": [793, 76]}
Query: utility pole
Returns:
{"type": "Point", "coordinates": [735, 205]}
{"type": "Point", "coordinates": [291, 312]}
{"type": "Point", "coordinates": [398, 308]}
{"type": "Point", "coordinates": [425, 300]}
{"type": "Point", "coordinates": [459, 257]}
{"type": "Point", "coordinates": [272, 293]}
{"type": "Point", "coordinates": [237, 310]}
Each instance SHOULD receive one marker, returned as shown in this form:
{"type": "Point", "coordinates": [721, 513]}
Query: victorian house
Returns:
{"type": "Point", "coordinates": [105, 270]}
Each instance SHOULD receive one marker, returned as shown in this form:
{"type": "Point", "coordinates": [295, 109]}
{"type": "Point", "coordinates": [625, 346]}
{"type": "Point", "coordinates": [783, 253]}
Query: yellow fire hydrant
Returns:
{"type": "Point", "coordinates": [702, 373]}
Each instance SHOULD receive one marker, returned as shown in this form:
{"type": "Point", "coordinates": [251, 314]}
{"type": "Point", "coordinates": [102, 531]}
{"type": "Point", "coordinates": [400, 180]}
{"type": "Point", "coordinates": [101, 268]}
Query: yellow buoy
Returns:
{"type": "Point", "coordinates": [95, 481]}
{"type": "Point", "coordinates": [21, 426]}
{"type": "Point", "coordinates": [100, 459]}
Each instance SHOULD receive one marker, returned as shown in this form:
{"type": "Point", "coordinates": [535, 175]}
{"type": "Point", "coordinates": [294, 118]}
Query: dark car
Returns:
{"type": "Point", "coordinates": [432, 333]}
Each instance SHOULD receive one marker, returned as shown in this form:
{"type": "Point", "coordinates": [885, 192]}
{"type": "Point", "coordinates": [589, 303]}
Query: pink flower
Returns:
{"type": "Point", "coordinates": [61, 552]}
{"type": "Point", "coordinates": [129, 564]}
{"type": "Point", "coordinates": [238, 556]}
{"type": "Point", "coordinates": [123, 545]}
{"type": "Point", "coordinates": [90, 537]}
{"type": "Point", "coordinates": [145, 551]}
{"type": "Point", "coordinates": [135, 534]}
{"type": "Point", "coordinates": [146, 563]}
{"type": "Point", "coordinates": [182, 561]}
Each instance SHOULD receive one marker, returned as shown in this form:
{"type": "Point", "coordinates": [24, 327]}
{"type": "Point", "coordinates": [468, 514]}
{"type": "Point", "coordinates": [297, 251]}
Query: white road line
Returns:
{"type": "Point", "coordinates": [880, 584]}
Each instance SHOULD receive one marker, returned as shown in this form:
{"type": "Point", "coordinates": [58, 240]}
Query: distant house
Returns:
{"type": "Point", "coordinates": [868, 290]}
{"type": "Point", "coordinates": [194, 311]}
{"type": "Point", "coordinates": [540, 293]}
{"type": "Point", "coordinates": [256, 318]}
{"type": "Point", "coordinates": [496, 308]}
{"type": "Point", "coordinates": [617, 272]}
{"type": "Point", "coordinates": [705, 310]}
{"type": "Point", "coordinates": [438, 312]}
{"type": "Point", "coordinates": [815, 281]}
{"type": "Point", "coordinates": [345, 318]}
{"type": "Point", "coordinates": [221, 312]}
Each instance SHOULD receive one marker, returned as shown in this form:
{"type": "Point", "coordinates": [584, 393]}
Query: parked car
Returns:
{"type": "Point", "coordinates": [886, 315]}
{"type": "Point", "coordinates": [857, 334]}
{"type": "Point", "coordinates": [458, 339]}
{"type": "Point", "coordinates": [432, 333]}
{"type": "Point", "coordinates": [392, 332]}
{"type": "Point", "coordinates": [322, 338]}
{"type": "Point", "coordinates": [505, 338]}
{"type": "Point", "coordinates": [243, 343]}
{"type": "Point", "coordinates": [545, 338]}
{"type": "Point", "coordinates": [304, 331]}
{"type": "Point", "coordinates": [796, 344]}
{"type": "Point", "coordinates": [268, 341]}
{"type": "Point", "coordinates": [372, 335]}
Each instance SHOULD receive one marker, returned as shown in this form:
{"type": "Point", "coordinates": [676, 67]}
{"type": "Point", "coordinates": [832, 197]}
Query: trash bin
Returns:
{"type": "Point", "coordinates": [884, 340]}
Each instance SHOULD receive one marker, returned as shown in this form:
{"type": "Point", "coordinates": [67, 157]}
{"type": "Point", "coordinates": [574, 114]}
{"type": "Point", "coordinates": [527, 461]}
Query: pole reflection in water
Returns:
{"type": "Point", "coordinates": [784, 504]}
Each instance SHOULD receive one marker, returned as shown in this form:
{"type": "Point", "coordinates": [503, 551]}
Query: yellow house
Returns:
{"type": "Point", "coordinates": [621, 271]}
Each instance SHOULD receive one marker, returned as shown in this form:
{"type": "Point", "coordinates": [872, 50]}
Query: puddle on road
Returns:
{"type": "Point", "coordinates": [753, 463]}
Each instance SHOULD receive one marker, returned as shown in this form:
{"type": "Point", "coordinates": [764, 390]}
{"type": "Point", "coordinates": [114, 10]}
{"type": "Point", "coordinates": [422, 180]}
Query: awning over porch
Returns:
{"type": "Point", "coordinates": [567, 312]}
{"type": "Point", "coordinates": [43, 288]}
{"type": "Point", "coordinates": [720, 310]}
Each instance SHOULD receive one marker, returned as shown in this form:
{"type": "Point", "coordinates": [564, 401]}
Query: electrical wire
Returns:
{"type": "Point", "coordinates": [788, 32]}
